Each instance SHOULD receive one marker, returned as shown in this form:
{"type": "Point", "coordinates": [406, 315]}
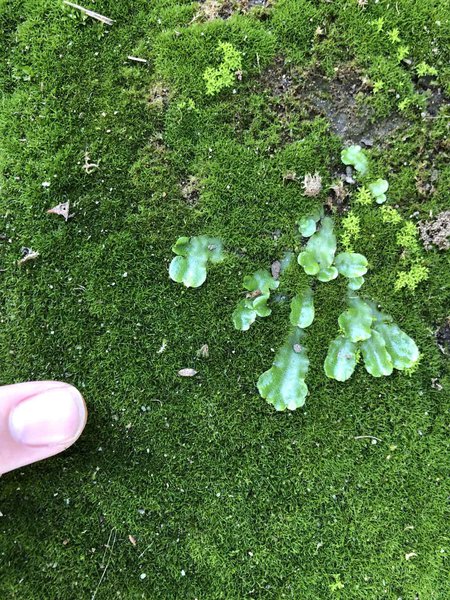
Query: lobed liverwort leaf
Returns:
{"type": "Point", "coordinates": [261, 280]}
{"type": "Point", "coordinates": [319, 253]}
{"type": "Point", "coordinates": [402, 349]}
{"type": "Point", "coordinates": [356, 321]}
{"type": "Point", "coordinates": [355, 283]}
{"type": "Point", "coordinates": [378, 190]}
{"type": "Point", "coordinates": [354, 155]}
{"type": "Point", "coordinates": [243, 316]}
{"type": "Point", "coordinates": [259, 285]}
{"type": "Point", "coordinates": [341, 359]}
{"type": "Point", "coordinates": [283, 385]}
{"type": "Point", "coordinates": [189, 267]}
{"type": "Point", "coordinates": [302, 309]}
{"type": "Point", "coordinates": [351, 264]}
{"type": "Point", "coordinates": [376, 357]}
{"type": "Point", "coordinates": [308, 225]}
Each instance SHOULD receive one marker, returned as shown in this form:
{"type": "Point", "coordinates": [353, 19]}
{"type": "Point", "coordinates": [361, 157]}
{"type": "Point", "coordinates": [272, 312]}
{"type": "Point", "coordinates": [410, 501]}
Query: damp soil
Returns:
{"type": "Point", "coordinates": [342, 100]}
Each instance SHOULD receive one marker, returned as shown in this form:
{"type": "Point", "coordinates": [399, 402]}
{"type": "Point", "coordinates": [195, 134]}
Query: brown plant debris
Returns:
{"type": "Point", "coordinates": [90, 13]}
{"type": "Point", "coordinates": [276, 269]}
{"type": "Point", "coordinates": [190, 190]}
{"type": "Point", "coordinates": [290, 176]}
{"type": "Point", "coordinates": [436, 232]}
{"type": "Point", "coordinates": [210, 10]}
{"type": "Point", "coordinates": [27, 254]}
{"type": "Point", "coordinates": [203, 352]}
{"type": "Point", "coordinates": [312, 184]}
{"type": "Point", "coordinates": [61, 209]}
{"type": "Point", "coordinates": [253, 294]}
{"type": "Point", "coordinates": [339, 194]}
{"type": "Point", "coordinates": [88, 165]}
{"type": "Point", "coordinates": [158, 95]}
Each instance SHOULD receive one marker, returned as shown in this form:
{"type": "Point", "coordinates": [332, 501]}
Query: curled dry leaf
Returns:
{"type": "Point", "coordinates": [187, 372]}
{"type": "Point", "coordinates": [28, 254]}
{"type": "Point", "coordinates": [132, 539]}
{"type": "Point", "coordinates": [61, 209]}
{"type": "Point", "coordinates": [410, 555]}
{"type": "Point", "coordinates": [88, 165]}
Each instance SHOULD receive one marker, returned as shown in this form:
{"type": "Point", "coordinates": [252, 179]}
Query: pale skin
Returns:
{"type": "Point", "coordinates": [38, 420]}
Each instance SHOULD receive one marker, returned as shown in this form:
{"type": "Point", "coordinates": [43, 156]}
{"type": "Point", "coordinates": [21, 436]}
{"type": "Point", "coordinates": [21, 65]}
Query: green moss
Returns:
{"type": "Point", "coordinates": [204, 475]}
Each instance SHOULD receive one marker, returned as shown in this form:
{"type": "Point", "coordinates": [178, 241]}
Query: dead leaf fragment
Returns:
{"type": "Point", "coordinates": [253, 294]}
{"type": "Point", "coordinates": [163, 346]}
{"type": "Point", "coordinates": [60, 209]}
{"type": "Point", "coordinates": [88, 165]}
{"type": "Point", "coordinates": [410, 555]}
{"type": "Point", "coordinates": [436, 232]}
{"type": "Point", "coordinates": [203, 352]}
{"type": "Point", "coordinates": [435, 384]}
{"type": "Point", "coordinates": [28, 254]}
{"type": "Point", "coordinates": [276, 269]}
{"type": "Point", "coordinates": [290, 176]}
{"type": "Point", "coordinates": [132, 540]}
{"type": "Point", "coordinates": [187, 372]}
{"type": "Point", "coordinates": [312, 184]}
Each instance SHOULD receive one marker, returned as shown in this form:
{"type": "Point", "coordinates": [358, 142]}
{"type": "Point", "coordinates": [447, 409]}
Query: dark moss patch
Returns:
{"type": "Point", "coordinates": [443, 337]}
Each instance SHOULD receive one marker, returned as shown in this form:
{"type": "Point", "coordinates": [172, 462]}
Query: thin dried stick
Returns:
{"type": "Point", "coordinates": [90, 13]}
{"type": "Point", "coordinates": [369, 437]}
{"type": "Point", "coordinates": [137, 59]}
{"type": "Point", "coordinates": [103, 559]}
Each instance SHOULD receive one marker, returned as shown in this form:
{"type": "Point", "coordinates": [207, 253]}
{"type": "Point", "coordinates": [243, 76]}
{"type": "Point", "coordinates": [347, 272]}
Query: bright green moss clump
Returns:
{"type": "Point", "coordinates": [226, 73]}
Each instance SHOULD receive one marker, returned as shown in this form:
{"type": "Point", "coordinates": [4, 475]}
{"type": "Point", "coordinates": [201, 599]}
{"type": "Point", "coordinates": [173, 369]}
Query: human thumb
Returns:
{"type": "Point", "coordinates": [38, 420]}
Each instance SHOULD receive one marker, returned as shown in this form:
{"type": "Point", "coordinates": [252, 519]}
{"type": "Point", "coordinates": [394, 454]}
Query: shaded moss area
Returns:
{"type": "Point", "coordinates": [224, 497]}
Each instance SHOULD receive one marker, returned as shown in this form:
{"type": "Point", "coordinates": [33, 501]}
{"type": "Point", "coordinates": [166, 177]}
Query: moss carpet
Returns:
{"type": "Point", "coordinates": [224, 498]}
